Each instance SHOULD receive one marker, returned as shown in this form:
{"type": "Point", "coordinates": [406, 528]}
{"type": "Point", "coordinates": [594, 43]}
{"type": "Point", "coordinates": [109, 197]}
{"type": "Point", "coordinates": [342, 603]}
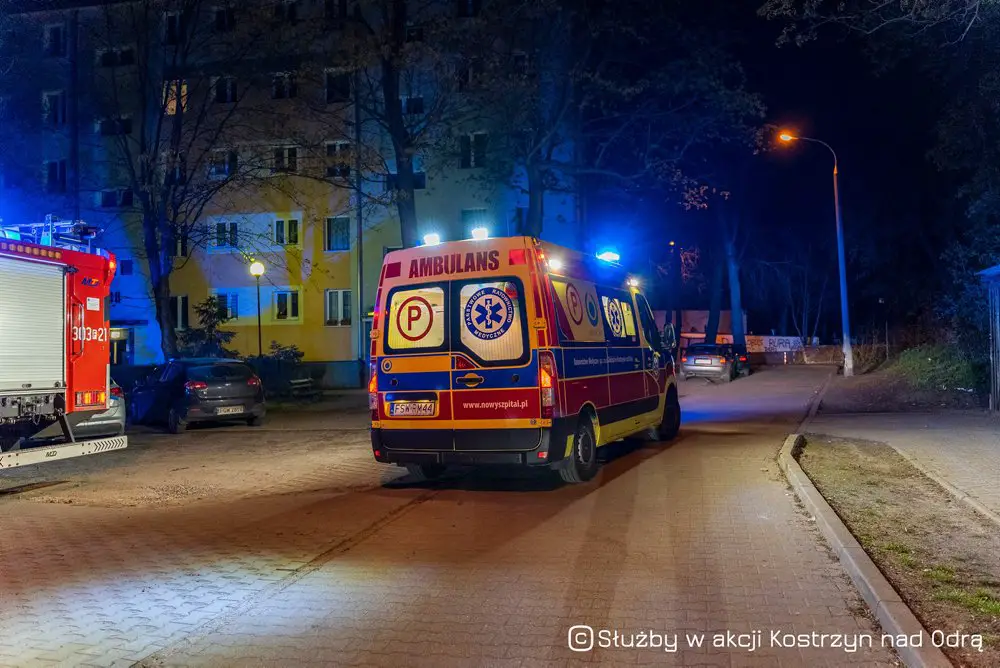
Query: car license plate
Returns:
{"type": "Point", "coordinates": [702, 360]}
{"type": "Point", "coordinates": [229, 410]}
{"type": "Point", "coordinates": [413, 408]}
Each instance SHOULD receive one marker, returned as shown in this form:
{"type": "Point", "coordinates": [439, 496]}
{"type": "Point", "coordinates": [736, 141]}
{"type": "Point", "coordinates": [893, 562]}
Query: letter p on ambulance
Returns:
{"type": "Point", "coordinates": [412, 315]}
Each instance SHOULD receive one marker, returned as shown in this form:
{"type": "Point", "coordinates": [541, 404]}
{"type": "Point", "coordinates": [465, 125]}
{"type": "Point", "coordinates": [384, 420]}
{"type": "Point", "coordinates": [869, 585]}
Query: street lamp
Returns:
{"type": "Point", "coordinates": [257, 270]}
{"type": "Point", "coordinates": [787, 137]}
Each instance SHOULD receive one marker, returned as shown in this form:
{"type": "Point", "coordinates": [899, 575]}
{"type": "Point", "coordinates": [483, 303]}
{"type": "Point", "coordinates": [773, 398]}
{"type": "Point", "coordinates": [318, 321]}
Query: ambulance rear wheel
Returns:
{"type": "Point", "coordinates": [582, 463]}
{"type": "Point", "coordinates": [671, 417]}
{"type": "Point", "coordinates": [425, 472]}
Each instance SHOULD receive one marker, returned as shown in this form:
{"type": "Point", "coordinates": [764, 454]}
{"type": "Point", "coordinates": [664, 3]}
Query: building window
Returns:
{"type": "Point", "coordinates": [338, 308]}
{"type": "Point", "coordinates": [229, 305]}
{"type": "Point", "coordinates": [173, 28]}
{"type": "Point", "coordinates": [109, 127]}
{"type": "Point", "coordinates": [223, 163]}
{"type": "Point", "coordinates": [412, 104]}
{"type": "Point", "coordinates": [115, 297]}
{"type": "Point", "coordinates": [179, 307]}
{"type": "Point", "coordinates": [286, 159]}
{"type": "Point", "coordinates": [473, 150]}
{"type": "Point", "coordinates": [468, 73]}
{"type": "Point", "coordinates": [121, 57]}
{"type": "Point", "coordinates": [55, 41]}
{"type": "Point", "coordinates": [181, 246]}
{"type": "Point", "coordinates": [338, 234]}
{"type": "Point", "coordinates": [54, 108]}
{"type": "Point", "coordinates": [55, 176]}
{"type": "Point", "coordinates": [338, 159]}
{"type": "Point", "coordinates": [419, 181]}
{"type": "Point", "coordinates": [225, 19]}
{"type": "Point", "coordinates": [227, 235]}
{"type": "Point", "coordinates": [283, 86]}
{"type": "Point", "coordinates": [338, 86]}
{"type": "Point", "coordinates": [466, 9]}
{"type": "Point", "coordinates": [224, 90]}
{"type": "Point", "coordinates": [175, 95]}
{"type": "Point", "coordinates": [126, 267]}
{"type": "Point", "coordinates": [109, 199]}
{"type": "Point", "coordinates": [286, 232]}
{"type": "Point", "coordinates": [286, 11]}
{"type": "Point", "coordinates": [286, 305]}
{"type": "Point", "coordinates": [175, 171]}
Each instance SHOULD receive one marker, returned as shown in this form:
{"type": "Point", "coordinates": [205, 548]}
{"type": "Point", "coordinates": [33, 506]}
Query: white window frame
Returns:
{"type": "Point", "coordinates": [225, 153]}
{"type": "Point", "coordinates": [327, 223]}
{"type": "Point", "coordinates": [54, 116]}
{"type": "Point", "coordinates": [475, 161]}
{"type": "Point", "coordinates": [183, 305]}
{"type": "Point", "coordinates": [289, 81]}
{"type": "Point", "coordinates": [404, 101]}
{"type": "Point", "coordinates": [119, 198]}
{"type": "Point", "coordinates": [285, 225]}
{"type": "Point", "coordinates": [287, 292]}
{"type": "Point", "coordinates": [339, 156]}
{"type": "Point", "coordinates": [172, 90]}
{"type": "Point", "coordinates": [333, 304]}
{"type": "Point", "coordinates": [47, 40]}
{"type": "Point", "coordinates": [231, 89]}
{"type": "Point", "coordinates": [227, 247]}
{"type": "Point", "coordinates": [286, 152]}
{"type": "Point", "coordinates": [232, 314]}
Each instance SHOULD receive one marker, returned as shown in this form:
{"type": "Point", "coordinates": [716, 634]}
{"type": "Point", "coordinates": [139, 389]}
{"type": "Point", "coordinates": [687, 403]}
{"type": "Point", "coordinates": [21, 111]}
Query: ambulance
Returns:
{"type": "Point", "coordinates": [514, 351]}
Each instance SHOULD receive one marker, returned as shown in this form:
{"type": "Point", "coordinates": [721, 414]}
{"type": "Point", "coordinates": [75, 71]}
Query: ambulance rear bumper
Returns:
{"type": "Point", "coordinates": [470, 447]}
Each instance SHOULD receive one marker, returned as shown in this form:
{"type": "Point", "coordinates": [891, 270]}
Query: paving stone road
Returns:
{"type": "Point", "coordinates": [334, 561]}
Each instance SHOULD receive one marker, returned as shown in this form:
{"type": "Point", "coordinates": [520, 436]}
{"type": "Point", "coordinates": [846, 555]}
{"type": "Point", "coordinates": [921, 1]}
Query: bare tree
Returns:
{"type": "Point", "coordinates": [572, 97]}
{"type": "Point", "coordinates": [176, 93]}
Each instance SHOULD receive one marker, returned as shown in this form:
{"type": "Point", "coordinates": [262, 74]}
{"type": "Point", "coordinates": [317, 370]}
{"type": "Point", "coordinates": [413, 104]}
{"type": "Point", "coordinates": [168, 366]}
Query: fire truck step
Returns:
{"type": "Point", "coordinates": [37, 455]}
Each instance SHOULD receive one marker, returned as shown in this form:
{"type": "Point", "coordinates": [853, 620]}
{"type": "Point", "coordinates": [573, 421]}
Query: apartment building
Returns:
{"type": "Point", "coordinates": [284, 166]}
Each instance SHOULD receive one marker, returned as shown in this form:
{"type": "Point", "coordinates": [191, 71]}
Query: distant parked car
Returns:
{"type": "Point", "coordinates": [705, 360]}
{"type": "Point", "coordinates": [739, 353]}
{"type": "Point", "coordinates": [199, 390]}
{"type": "Point", "coordinates": [109, 423]}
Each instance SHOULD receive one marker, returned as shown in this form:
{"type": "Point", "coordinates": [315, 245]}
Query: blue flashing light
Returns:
{"type": "Point", "coordinates": [608, 256]}
{"type": "Point", "coordinates": [432, 239]}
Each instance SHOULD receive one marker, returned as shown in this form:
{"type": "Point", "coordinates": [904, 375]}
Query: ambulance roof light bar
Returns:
{"type": "Point", "coordinates": [432, 239]}
{"type": "Point", "coordinates": [608, 256]}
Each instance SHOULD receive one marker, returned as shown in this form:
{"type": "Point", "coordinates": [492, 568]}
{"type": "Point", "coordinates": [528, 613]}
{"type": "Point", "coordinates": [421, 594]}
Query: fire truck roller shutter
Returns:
{"type": "Point", "coordinates": [32, 325]}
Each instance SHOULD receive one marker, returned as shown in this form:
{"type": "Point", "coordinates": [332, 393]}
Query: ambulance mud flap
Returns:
{"type": "Point", "coordinates": [37, 455]}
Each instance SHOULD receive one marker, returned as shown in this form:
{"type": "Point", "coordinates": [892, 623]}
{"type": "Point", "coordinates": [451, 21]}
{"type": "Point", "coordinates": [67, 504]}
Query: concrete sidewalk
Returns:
{"type": "Point", "coordinates": [961, 448]}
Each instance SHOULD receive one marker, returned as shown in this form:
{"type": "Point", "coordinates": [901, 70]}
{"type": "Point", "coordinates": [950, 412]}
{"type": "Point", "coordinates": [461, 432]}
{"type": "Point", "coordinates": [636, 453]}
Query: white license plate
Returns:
{"type": "Point", "coordinates": [702, 361]}
{"type": "Point", "coordinates": [229, 410]}
{"type": "Point", "coordinates": [414, 408]}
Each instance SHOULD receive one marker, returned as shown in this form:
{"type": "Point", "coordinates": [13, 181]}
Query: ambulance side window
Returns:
{"type": "Point", "coordinates": [619, 318]}
{"type": "Point", "coordinates": [648, 323]}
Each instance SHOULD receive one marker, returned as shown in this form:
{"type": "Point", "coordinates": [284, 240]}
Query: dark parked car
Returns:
{"type": "Point", "coordinates": [739, 353]}
{"type": "Point", "coordinates": [704, 360]}
{"type": "Point", "coordinates": [199, 390]}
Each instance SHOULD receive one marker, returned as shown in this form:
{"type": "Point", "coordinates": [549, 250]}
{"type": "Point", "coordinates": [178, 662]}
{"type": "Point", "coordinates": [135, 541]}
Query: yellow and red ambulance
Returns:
{"type": "Point", "coordinates": [513, 351]}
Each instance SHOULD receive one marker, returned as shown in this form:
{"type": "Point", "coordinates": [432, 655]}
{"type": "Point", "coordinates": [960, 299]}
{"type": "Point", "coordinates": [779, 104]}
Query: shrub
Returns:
{"type": "Point", "coordinates": [940, 367]}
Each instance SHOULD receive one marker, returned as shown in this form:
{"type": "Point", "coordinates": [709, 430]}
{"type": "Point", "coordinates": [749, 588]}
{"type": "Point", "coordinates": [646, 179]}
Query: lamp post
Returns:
{"type": "Point", "coordinates": [844, 316]}
{"type": "Point", "coordinates": [257, 270]}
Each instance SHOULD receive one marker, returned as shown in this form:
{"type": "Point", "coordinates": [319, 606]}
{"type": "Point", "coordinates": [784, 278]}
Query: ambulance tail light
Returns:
{"type": "Point", "coordinates": [547, 383]}
{"type": "Point", "coordinates": [373, 390]}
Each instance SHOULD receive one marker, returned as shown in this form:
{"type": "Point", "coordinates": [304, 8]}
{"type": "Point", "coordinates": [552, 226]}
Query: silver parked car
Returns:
{"type": "Point", "coordinates": [704, 360]}
{"type": "Point", "coordinates": [109, 423]}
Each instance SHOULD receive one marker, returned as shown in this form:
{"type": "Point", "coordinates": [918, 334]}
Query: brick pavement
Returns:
{"type": "Point", "coordinates": [962, 448]}
{"type": "Point", "coordinates": [702, 536]}
{"type": "Point", "coordinates": [330, 566]}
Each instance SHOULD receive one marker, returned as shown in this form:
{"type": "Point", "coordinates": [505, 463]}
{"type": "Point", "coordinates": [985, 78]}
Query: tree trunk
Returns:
{"type": "Point", "coordinates": [536, 193]}
{"type": "Point", "coordinates": [402, 142]}
{"type": "Point", "coordinates": [715, 302]}
{"type": "Point", "coordinates": [735, 296]}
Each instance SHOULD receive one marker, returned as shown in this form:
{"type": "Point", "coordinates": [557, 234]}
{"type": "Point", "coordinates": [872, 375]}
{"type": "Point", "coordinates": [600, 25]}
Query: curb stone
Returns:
{"type": "Point", "coordinates": [882, 599]}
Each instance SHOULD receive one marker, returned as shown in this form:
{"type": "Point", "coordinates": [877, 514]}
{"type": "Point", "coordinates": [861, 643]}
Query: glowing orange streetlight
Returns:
{"type": "Point", "coordinates": [844, 317]}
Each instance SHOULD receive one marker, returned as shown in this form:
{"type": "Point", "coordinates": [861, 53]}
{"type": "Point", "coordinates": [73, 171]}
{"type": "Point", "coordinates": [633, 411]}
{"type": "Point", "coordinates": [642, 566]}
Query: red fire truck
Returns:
{"type": "Point", "coordinates": [54, 342]}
